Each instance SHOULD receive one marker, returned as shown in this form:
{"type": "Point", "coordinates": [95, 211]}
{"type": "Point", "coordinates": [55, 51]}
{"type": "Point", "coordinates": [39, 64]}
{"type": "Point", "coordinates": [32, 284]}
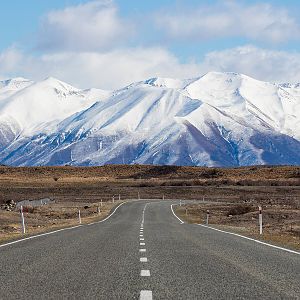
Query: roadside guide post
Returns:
{"type": "Point", "coordinates": [260, 220]}
{"type": "Point", "coordinates": [207, 217]}
{"type": "Point", "coordinates": [23, 220]}
{"type": "Point", "coordinates": [79, 216]}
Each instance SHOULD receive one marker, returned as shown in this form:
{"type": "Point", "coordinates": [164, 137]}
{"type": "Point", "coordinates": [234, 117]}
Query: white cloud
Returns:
{"type": "Point", "coordinates": [262, 64]}
{"type": "Point", "coordinates": [9, 59]}
{"type": "Point", "coordinates": [86, 48]}
{"type": "Point", "coordinates": [109, 70]}
{"type": "Point", "coordinates": [228, 19]}
{"type": "Point", "coordinates": [118, 68]}
{"type": "Point", "coordinates": [91, 26]}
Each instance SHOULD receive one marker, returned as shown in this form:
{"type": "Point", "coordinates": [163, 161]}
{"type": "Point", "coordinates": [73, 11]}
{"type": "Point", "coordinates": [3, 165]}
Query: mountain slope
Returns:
{"type": "Point", "coordinates": [219, 119]}
{"type": "Point", "coordinates": [27, 108]}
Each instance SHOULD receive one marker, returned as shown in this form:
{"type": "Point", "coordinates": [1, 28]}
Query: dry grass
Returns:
{"type": "Point", "coordinates": [51, 217]}
{"type": "Point", "coordinates": [281, 223]}
{"type": "Point", "coordinates": [278, 187]}
{"type": "Point", "coordinates": [93, 184]}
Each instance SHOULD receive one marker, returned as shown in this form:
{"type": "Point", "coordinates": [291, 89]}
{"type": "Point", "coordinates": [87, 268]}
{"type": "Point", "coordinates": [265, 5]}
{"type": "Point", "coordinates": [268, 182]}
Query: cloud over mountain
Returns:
{"type": "Point", "coordinates": [229, 19]}
{"type": "Point", "coordinates": [95, 44]}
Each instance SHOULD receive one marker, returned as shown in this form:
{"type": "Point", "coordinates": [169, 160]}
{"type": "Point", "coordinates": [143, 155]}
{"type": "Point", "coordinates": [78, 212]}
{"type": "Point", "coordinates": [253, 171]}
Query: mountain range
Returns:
{"type": "Point", "coordinates": [218, 119]}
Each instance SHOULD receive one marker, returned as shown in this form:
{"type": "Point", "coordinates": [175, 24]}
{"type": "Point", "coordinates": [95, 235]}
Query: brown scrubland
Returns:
{"type": "Point", "coordinates": [231, 194]}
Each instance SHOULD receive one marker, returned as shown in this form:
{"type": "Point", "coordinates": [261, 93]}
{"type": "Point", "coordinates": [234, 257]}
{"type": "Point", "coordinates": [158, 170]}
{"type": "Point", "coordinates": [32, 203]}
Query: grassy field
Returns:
{"type": "Point", "coordinates": [277, 189]}
{"type": "Point", "coordinates": [281, 222]}
{"type": "Point", "coordinates": [51, 217]}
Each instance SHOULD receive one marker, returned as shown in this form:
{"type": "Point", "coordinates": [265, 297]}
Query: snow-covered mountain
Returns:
{"type": "Point", "coordinates": [219, 119]}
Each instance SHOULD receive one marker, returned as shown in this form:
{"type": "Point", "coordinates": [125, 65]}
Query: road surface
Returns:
{"type": "Point", "coordinates": [143, 251]}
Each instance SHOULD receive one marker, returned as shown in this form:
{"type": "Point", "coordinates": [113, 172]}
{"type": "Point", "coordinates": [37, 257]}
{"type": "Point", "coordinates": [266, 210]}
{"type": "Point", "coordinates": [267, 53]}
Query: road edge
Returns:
{"type": "Point", "coordinates": [175, 214]}
{"type": "Point", "coordinates": [59, 230]}
{"type": "Point", "coordinates": [250, 239]}
{"type": "Point", "coordinates": [239, 235]}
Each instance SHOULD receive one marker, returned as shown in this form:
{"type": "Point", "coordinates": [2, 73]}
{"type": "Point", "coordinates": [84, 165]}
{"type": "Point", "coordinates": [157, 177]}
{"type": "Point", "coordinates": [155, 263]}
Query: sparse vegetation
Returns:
{"type": "Point", "coordinates": [234, 191]}
{"type": "Point", "coordinates": [239, 210]}
{"type": "Point", "coordinates": [49, 217]}
{"type": "Point", "coordinates": [281, 220]}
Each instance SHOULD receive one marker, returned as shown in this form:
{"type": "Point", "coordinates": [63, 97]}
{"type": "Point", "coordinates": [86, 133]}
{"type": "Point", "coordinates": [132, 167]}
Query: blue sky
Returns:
{"type": "Point", "coordinates": [131, 40]}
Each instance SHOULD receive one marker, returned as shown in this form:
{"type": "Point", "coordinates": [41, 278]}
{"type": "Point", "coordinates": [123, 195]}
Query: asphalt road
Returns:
{"type": "Point", "coordinates": [143, 250]}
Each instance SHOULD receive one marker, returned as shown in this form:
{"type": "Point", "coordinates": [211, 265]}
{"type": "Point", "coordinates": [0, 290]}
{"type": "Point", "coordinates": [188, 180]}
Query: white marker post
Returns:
{"type": "Point", "coordinates": [179, 202]}
{"type": "Point", "coordinates": [98, 209]}
{"type": "Point", "coordinates": [23, 220]}
{"type": "Point", "coordinates": [101, 203]}
{"type": "Point", "coordinates": [203, 199]}
{"type": "Point", "coordinates": [79, 216]}
{"type": "Point", "coordinates": [186, 211]}
{"type": "Point", "coordinates": [207, 217]}
{"type": "Point", "coordinates": [260, 220]}
{"type": "Point", "coordinates": [119, 197]}
{"type": "Point", "coordinates": [163, 197]}
{"type": "Point", "coordinates": [113, 199]}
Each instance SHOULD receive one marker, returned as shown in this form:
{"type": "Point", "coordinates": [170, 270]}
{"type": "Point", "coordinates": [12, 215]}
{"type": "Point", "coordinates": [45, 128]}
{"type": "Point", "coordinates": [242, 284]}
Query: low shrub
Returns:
{"type": "Point", "coordinates": [239, 210]}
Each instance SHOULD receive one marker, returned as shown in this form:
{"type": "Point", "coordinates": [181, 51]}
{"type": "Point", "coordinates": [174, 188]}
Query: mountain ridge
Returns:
{"type": "Point", "coordinates": [218, 119]}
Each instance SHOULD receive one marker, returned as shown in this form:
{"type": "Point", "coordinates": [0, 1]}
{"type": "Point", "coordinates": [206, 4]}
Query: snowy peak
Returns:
{"type": "Point", "coordinates": [248, 98]}
{"type": "Point", "coordinates": [57, 84]}
{"type": "Point", "coordinates": [218, 119]}
{"type": "Point", "coordinates": [138, 110]}
{"type": "Point", "coordinates": [15, 83]}
{"type": "Point", "coordinates": [45, 102]}
{"type": "Point", "coordinates": [169, 83]}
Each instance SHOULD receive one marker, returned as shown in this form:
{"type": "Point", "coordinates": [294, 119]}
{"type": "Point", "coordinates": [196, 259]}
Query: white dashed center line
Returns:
{"type": "Point", "coordinates": [145, 273]}
{"type": "Point", "coordinates": [146, 295]}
